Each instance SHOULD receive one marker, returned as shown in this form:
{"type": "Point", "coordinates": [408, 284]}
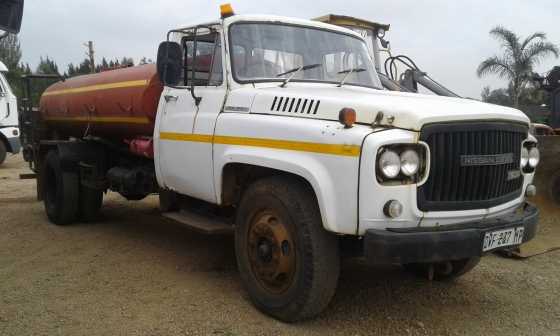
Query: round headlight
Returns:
{"type": "Point", "coordinates": [390, 164]}
{"type": "Point", "coordinates": [410, 162]}
{"type": "Point", "coordinates": [524, 157]}
{"type": "Point", "coordinates": [534, 157]}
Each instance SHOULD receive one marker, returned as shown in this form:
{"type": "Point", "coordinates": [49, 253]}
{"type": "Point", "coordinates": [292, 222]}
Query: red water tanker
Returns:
{"type": "Point", "coordinates": [119, 104]}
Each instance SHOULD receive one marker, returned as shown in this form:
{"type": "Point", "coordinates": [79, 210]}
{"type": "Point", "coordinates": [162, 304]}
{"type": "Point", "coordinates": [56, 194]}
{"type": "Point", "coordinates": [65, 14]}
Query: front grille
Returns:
{"type": "Point", "coordinates": [460, 176]}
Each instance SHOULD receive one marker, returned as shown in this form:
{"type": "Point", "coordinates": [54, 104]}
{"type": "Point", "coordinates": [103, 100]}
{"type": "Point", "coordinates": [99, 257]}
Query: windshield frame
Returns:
{"type": "Point", "coordinates": [280, 80]}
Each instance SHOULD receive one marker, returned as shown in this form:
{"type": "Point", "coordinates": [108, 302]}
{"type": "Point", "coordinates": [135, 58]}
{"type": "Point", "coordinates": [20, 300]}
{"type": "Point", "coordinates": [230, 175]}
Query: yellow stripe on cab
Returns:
{"type": "Point", "coordinates": [300, 146]}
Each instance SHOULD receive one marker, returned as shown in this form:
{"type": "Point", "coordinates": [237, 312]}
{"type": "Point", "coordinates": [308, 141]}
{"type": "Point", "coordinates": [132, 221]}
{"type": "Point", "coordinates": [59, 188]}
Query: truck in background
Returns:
{"type": "Point", "coordinates": [279, 131]}
{"type": "Point", "coordinates": [11, 14]}
{"type": "Point", "coordinates": [9, 129]}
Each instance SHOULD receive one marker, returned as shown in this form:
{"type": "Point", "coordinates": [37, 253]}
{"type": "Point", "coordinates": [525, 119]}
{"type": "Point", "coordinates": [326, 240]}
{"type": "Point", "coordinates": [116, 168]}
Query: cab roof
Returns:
{"type": "Point", "coordinates": [288, 20]}
{"type": "Point", "coordinates": [274, 19]}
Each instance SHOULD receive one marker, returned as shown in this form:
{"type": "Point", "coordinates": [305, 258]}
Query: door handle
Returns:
{"type": "Point", "coordinates": [170, 98]}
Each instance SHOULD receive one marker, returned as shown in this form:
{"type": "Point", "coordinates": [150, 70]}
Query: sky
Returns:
{"type": "Point", "coordinates": [446, 38]}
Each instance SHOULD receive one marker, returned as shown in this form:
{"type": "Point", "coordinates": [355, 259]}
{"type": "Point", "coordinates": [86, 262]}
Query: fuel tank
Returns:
{"type": "Point", "coordinates": [118, 104]}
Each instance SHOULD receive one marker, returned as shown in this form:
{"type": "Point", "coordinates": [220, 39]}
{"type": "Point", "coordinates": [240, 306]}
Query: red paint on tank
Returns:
{"type": "Point", "coordinates": [117, 104]}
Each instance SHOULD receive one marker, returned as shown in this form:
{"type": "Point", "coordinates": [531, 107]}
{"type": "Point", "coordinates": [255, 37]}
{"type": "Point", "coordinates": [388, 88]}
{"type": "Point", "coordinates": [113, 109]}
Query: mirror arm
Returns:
{"type": "Point", "coordinates": [193, 72]}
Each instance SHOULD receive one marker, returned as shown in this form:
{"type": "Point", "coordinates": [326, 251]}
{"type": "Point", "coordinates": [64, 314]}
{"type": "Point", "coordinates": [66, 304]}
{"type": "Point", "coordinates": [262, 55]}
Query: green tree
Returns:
{"type": "Point", "coordinates": [10, 55]}
{"type": "Point", "coordinates": [47, 66]}
{"type": "Point", "coordinates": [517, 60]}
{"type": "Point", "coordinates": [10, 51]}
{"type": "Point", "coordinates": [497, 96]}
{"type": "Point", "coordinates": [127, 61]}
{"type": "Point", "coordinates": [145, 60]}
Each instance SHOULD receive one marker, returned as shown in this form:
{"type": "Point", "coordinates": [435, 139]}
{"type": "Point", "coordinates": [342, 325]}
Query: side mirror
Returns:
{"type": "Point", "coordinates": [169, 63]}
{"type": "Point", "coordinates": [11, 14]}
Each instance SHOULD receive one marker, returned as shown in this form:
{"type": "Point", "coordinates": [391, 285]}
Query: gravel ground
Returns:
{"type": "Point", "coordinates": [134, 273]}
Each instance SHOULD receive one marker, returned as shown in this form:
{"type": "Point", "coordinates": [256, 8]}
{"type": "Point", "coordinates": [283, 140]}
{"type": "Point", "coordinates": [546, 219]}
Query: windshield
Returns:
{"type": "Point", "coordinates": [264, 52]}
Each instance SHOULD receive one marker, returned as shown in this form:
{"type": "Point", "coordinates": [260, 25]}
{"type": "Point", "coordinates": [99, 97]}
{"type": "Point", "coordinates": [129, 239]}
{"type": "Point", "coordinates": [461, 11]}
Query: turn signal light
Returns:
{"type": "Point", "coordinates": [226, 10]}
{"type": "Point", "coordinates": [347, 117]}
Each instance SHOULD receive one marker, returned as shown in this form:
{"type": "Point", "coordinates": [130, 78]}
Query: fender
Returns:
{"type": "Point", "coordinates": [10, 140]}
{"type": "Point", "coordinates": [334, 178]}
{"type": "Point", "coordinates": [71, 153]}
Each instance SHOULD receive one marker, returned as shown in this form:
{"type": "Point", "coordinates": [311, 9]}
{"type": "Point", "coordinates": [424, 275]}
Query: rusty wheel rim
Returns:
{"type": "Point", "coordinates": [272, 252]}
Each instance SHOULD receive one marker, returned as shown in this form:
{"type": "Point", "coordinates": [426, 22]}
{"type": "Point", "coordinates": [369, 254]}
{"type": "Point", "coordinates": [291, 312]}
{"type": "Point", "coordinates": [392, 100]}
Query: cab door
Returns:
{"type": "Point", "coordinates": [186, 127]}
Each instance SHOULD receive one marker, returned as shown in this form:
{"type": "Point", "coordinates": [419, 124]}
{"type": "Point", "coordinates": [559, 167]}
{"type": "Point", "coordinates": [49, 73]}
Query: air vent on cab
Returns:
{"type": "Point", "coordinates": [295, 105]}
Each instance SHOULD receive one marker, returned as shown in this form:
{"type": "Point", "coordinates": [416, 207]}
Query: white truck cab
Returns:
{"type": "Point", "coordinates": [279, 130]}
{"type": "Point", "coordinates": [264, 108]}
{"type": "Point", "coordinates": [9, 130]}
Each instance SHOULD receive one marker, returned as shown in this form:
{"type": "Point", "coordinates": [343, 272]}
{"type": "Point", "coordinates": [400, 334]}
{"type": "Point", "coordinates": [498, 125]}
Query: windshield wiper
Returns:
{"type": "Point", "coordinates": [295, 71]}
{"type": "Point", "coordinates": [347, 72]}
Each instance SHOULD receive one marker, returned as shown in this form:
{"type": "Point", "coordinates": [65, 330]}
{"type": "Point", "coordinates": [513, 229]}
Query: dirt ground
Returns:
{"type": "Point", "coordinates": [134, 273]}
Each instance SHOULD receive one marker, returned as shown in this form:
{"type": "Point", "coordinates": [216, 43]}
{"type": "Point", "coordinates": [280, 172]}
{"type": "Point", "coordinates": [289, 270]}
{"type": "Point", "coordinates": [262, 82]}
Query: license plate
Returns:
{"type": "Point", "coordinates": [501, 238]}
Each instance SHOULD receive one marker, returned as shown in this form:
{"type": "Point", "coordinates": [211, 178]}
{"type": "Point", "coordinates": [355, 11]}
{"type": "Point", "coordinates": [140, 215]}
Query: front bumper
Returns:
{"type": "Point", "coordinates": [451, 242]}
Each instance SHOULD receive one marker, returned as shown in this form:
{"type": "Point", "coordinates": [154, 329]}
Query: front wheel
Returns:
{"type": "Point", "coordinates": [288, 263]}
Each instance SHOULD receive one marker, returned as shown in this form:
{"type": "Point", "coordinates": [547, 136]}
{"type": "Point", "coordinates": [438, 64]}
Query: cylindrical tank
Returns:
{"type": "Point", "coordinates": [118, 103]}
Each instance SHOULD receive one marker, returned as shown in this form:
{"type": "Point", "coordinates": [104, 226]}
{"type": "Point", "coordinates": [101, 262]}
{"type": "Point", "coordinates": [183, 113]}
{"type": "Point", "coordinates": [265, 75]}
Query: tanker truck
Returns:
{"type": "Point", "coordinates": [278, 131]}
{"type": "Point", "coordinates": [9, 130]}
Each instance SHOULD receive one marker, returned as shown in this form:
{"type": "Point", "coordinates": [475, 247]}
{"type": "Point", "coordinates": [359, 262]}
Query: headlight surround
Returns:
{"type": "Point", "coordinates": [534, 157]}
{"type": "Point", "coordinates": [401, 163]}
{"type": "Point", "coordinates": [390, 164]}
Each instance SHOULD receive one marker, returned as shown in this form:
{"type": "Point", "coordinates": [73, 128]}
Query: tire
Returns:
{"type": "Point", "coordinates": [443, 271]}
{"type": "Point", "coordinates": [288, 263]}
{"type": "Point", "coordinates": [90, 203]}
{"type": "Point", "coordinates": [61, 191]}
{"type": "Point", "coordinates": [3, 151]}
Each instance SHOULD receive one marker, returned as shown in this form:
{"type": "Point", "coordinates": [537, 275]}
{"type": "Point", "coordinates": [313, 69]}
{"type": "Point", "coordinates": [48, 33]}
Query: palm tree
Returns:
{"type": "Point", "coordinates": [518, 59]}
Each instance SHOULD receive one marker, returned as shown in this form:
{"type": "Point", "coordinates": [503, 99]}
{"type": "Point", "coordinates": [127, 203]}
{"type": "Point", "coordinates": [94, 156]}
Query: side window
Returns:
{"type": "Point", "coordinates": [207, 63]}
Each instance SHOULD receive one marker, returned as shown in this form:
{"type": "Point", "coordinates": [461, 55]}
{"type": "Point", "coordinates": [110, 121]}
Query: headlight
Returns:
{"type": "Point", "coordinates": [524, 157]}
{"type": "Point", "coordinates": [410, 162]}
{"type": "Point", "coordinates": [534, 157]}
{"type": "Point", "coordinates": [390, 164]}
{"type": "Point", "coordinates": [401, 163]}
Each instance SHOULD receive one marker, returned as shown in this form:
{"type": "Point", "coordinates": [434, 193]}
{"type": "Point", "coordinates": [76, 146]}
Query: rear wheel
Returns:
{"type": "Point", "coordinates": [288, 263]}
{"type": "Point", "coordinates": [3, 152]}
{"type": "Point", "coordinates": [443, 271]}
{"type": "Point", "coordinates": [61, 191]}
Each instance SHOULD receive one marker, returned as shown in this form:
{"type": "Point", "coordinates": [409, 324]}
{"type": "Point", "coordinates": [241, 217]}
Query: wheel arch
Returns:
{"type": "Point", "coordinates": [248, 168]}
{"type": "Point", "coordinates": [6, 143]}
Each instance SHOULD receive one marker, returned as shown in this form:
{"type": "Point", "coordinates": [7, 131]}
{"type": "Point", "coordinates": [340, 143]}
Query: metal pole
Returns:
{"type": "Point", "coordinates": [90, 53]}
